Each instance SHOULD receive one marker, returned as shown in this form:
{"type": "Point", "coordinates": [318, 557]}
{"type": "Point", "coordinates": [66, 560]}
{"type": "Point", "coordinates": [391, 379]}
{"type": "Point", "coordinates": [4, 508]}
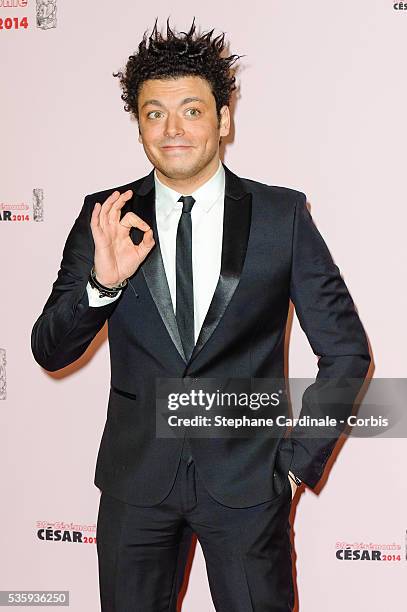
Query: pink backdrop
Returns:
{"type": "Point", "coordinates": [321, 109]}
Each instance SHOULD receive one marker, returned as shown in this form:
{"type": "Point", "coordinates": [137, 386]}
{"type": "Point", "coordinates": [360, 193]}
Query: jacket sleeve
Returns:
{"type": "Point", "coordinates": [328, 317]}
{"type": "Point", "coordinates": [68, 324]}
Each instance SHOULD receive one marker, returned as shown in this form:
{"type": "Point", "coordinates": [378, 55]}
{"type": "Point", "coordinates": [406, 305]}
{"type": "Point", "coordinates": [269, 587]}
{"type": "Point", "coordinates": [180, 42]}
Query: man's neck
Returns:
{"type": "Point", "coordinates": [189, 185]}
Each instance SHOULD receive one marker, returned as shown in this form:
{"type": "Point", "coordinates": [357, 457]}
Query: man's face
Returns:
{"type": "Point", "coordinates": [179, 126]}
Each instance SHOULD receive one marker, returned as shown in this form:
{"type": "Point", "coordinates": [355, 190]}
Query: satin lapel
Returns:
{"type": "Point", "coordinates": [153, 266]}
{"type": "Point", "coordinates": [236, 229]}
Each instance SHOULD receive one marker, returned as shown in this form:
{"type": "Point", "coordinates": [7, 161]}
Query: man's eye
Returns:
{"type": "Point", "coordinates": [153, 114]}
{"type": "Point", "coordinates": [194, 112]}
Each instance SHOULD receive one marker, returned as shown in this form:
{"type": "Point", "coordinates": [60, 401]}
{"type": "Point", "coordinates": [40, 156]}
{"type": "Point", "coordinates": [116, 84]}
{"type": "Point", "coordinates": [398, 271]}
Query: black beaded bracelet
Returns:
{"type": "Point", "coordinates": [105, 291]}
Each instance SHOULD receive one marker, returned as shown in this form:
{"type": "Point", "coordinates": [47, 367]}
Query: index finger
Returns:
{"type": "Point", "coordinates": [116, 200]}
{"type": "Point", "coordinates": [130, 219]}
{"type": "Point", "coordinates": [123, 197]}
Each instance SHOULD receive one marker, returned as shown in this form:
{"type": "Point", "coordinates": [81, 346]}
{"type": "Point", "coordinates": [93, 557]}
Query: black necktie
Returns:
{"type": "Point", "coordinates": [184, 280]}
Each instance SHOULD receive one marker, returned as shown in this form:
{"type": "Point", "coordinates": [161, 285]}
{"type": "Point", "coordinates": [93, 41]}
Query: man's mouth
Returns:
{"type": "Point", "coordinates": [176, 147]}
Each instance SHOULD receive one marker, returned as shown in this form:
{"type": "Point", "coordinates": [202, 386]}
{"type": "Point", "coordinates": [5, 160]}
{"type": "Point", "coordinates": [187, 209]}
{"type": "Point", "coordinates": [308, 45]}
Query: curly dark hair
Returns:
{"type": "Point", "coordinates": [174, 56]}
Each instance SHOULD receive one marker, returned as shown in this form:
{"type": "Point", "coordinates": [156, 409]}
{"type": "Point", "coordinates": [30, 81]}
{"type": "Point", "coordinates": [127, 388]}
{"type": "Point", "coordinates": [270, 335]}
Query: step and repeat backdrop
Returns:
{"type": "Point", "coordinates": [320, 108]}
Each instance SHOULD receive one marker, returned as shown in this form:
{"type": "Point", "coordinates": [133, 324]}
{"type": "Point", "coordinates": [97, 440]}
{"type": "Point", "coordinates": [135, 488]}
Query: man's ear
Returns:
{"type": "Point", "coordinates": [224, 126]}
{"type": "Point", "coordinates": [140, 138]}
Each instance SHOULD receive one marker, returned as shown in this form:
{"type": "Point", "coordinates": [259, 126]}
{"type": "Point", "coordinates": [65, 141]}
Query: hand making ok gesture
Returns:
{"type": "Point", "coordinates": [116, 255]}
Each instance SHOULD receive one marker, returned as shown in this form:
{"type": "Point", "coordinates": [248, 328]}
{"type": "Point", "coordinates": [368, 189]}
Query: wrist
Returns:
{"type": "Point", "coordinates": [105, 290]}
{"type": "Point", "coordinates": [107, 285]}
{"type": "Point", "coordinates": [98, 277]}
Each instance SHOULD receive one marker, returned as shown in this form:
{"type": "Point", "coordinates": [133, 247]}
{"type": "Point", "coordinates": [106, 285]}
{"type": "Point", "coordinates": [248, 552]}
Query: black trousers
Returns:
{"type": "Point", "coordinates": [142, 551]}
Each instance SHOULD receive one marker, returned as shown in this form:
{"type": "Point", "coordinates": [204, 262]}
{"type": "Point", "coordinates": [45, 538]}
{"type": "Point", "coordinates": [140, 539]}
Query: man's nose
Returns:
{"type": "Point", "coordinates": [173, 126]}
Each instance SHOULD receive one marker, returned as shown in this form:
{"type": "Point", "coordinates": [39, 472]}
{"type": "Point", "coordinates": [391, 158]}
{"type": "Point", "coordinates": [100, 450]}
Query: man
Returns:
{"type": "Point", "coordinates": [194, 267]}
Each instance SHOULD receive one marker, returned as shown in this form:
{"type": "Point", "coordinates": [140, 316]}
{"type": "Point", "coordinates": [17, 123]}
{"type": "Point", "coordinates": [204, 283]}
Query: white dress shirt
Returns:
{"type": "Point", "coordinates": [207, 234]}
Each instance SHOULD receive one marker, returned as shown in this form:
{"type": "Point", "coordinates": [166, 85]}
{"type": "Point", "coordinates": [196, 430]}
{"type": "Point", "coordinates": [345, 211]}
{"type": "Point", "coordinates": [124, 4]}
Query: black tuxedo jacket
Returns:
{"type": "Point", "coordinates": [271, 253]}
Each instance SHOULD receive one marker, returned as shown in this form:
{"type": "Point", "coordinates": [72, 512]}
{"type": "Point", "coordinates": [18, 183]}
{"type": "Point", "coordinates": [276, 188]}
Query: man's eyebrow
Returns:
{"type": "Point", "coordinates": [152, 102]}
{"type": "Point", "coordinates": [155, 102]}
{"type": "Point", "coordinates": [192, 99]}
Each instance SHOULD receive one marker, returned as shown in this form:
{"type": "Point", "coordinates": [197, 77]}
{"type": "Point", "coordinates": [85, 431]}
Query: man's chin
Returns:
{"type": "Point", "coordinates": [179, 170]}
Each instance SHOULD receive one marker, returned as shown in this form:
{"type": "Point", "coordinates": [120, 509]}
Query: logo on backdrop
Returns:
{"type": "Point", "coordinates": [368, 551]}
{"type": "Point", "coordinates": [14, 21]}
{"type": "Point", "coordinates": [400, 6]}
{"type": "Point", "coordinates": [20, 211]}
{"type": "Point", "coordinates": [45, 15]}
{"type": "Point", "coordinates": [3, 379]}
{"type": "Point", "coordinates": [38, 204]}
{"type": "Point", "coordinates": [66, 532]}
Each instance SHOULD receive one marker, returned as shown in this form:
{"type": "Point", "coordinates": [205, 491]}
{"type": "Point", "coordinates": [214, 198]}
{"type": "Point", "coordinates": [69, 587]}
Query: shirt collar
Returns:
{"type": "Point", "coordinates": [205, 196]}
